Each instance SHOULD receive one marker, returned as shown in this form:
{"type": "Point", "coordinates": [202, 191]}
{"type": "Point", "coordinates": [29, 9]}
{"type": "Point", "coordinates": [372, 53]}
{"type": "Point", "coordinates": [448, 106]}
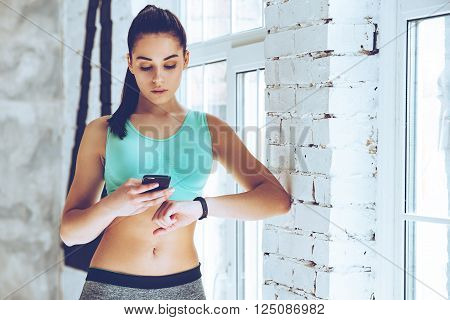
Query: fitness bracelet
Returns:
{"type": "Point", "coordinates": [204, 206]}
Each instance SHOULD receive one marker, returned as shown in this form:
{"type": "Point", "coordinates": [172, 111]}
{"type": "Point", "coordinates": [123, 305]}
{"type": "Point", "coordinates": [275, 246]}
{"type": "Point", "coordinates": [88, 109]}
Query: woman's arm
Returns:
{"type": "Point", "coordinates": [264, 201]}
{"type": "Point", "coordinates": [264, 196]}
{"type": "Point", "coordinates": [80, 226]}
{"type": "Point", "coordinates": [83, 218]}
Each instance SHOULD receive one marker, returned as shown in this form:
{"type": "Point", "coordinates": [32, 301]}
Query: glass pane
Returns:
{"type": "Point", "coordinates": [428, 117]}
{"type": "Point", "coordinates": [194, 21]}
{"type": "Point", "coordinates": [250, 109]}
{"type": "Point", "coordinates": [262, 116]}
{"type": "Point", "coordinates": [251, 113]}
{"type": "Point", "coordinates": [194, 85]}
{"type": "Point", "coordinates": [428, 264]}
{"type": "Point", "coordinates": [261, 157]}
{"type": "Point", "coordinates": [216, 89]}
{"type": "Point", "coordinates": [217, 18]}
{"type": "Point", "coordinates": [206, 91]}
{"type": "Point", "coordinates": [247, 14]}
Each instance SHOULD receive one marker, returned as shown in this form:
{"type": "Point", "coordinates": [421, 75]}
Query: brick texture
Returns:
{"type": "Point", "coordinates": [321, 143]}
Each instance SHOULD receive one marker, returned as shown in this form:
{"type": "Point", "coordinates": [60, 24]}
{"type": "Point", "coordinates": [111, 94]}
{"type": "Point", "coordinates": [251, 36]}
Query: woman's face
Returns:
{"type": "Point", "coordinates": [158, 63]}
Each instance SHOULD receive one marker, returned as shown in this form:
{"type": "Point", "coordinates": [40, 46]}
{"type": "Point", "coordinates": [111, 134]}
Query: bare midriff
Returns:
{"type": "Point", "coordinates": [129, 246]}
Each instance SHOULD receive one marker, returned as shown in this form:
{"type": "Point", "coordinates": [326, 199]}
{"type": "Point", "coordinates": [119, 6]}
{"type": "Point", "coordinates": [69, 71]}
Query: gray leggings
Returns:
{"type": "Point", "coordinates": [103, 284]}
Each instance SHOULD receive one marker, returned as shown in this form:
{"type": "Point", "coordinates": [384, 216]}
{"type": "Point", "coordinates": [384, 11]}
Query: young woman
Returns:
{"type": "Point", "coordinates": [147, 250]}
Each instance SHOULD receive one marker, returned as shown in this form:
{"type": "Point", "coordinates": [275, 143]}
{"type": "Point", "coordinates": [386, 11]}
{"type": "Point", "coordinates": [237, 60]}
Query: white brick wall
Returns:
{"type": "Point", "coordinates": [305, 101]}
{"type": "Point", "coordinates": [348, 285]}
{"type": "Point", "coordinates": [297, 131]}
{"type": "Point", "coordinates": [295, 246]}
{"type": "Point", "coordinates": [321, 98]}
{"type": "Point", "coordinates": [338, 222]}
{"type": "Point", "coordinates": [302, 11]}
{"type": "Point", "coordinates": [328, 37]}
{"type": "Point", "coordinates": [344, 191]}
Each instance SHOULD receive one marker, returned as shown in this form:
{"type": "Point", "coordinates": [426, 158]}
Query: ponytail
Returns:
{"type": "Point", "coordinates": [130, 97]}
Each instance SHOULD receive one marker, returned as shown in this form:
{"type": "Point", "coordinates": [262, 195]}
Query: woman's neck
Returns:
{"type": "Point", "coordinates": [171, 107]}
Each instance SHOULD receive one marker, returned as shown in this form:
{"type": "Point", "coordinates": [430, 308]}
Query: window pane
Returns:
{"type": "Point", "coordinates": [247, 14]}
{"type": "Point", "coordinates": [194, 90]}
{"type": "Point", "coordinates": [261, 157]}
{"type": "Point", "coordinates": [217, 18]}
{"type": "Point", "coordinates": [210, 19]}
{"type": "Point", "coordinates": [427, 266]}
{"type": "Point", "coordinates": [214, 238]}
{"type": "Point", "coordinates": [251, 116]}
{"type": "Point", "coordinates": [221, 253]}
{"type": "Point", "coordinates": [262, 117]}
{"type": "Point", "coordinates": [194, 20]}
{"type": "Point", "coordinates": [250, 108]}
{"type": "Point", "coordinates": [429, 117]}
{"type": "Point", "coordinates": [216, 89]}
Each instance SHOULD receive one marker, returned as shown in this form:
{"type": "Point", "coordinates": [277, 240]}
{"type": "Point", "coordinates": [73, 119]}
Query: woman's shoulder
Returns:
{"type": "Point", "coordinates": [99, 126]}
{"type": "Point", "coordinates": [100, 122]}
{"type": "Point", "coordinates": [217, 124]}
{"type": "Point", "coordinates": [96, 130]}
{"type": "Point", "coordinates": [220, 131]}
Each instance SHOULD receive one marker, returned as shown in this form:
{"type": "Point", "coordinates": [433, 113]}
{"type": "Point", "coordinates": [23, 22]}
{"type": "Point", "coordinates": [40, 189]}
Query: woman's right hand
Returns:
{"type": "Point", "coordinates": [129, 199]}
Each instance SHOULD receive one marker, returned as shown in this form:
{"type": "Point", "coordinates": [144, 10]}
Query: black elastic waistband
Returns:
{"type": "Point", "coordinates": [143, 282]}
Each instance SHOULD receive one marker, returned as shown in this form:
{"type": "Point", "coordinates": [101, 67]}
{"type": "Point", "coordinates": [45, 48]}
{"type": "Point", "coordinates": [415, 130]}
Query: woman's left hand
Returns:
{"type": "Point", "coordinates": [172, 215]}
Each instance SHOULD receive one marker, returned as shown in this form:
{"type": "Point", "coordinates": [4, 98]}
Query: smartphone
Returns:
{"type": "Point", "coordinates": [164, 181]}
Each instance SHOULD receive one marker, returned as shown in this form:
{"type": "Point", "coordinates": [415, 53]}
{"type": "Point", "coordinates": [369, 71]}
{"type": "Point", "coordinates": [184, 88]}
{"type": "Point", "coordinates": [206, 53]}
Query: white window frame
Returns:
{"type": "Point", "coordinates": [391, 219]}
{"type": "Point", "coordinates": [244, 58]}
{"type": "Point", "coordinates": [244, 51]}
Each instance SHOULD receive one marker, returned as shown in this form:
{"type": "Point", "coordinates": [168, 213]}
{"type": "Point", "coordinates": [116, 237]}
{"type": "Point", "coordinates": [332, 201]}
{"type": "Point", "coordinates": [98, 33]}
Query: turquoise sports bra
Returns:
{"type": "Point", "coordinates": [186, 156]}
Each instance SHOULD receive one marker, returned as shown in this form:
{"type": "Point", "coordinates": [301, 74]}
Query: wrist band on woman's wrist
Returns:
{"type": "Point", "coordinates": [204, 206]}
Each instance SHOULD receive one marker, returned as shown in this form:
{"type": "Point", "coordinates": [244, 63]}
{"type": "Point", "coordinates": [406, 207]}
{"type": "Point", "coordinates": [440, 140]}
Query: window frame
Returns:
{"type": "Point", "coordinates": [243, 51]}
{"type": "Point", "coordinates": [393, 101]}
{"type": "Point", "coordinates": [244, 64]}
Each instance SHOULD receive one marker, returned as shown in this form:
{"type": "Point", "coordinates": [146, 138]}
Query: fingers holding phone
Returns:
{"type": "Point", "coordinates": [134, 197]}
{"type": "Point", "coordinates": [162, 180]}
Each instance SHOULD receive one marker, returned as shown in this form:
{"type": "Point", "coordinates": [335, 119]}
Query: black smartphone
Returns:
{"type": "Point", "coordinates": [163, 180]}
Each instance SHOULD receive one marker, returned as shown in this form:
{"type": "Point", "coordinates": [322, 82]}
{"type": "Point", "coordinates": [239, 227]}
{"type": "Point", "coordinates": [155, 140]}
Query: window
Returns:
{"type": "Point", "coordinates": [428, 159]}
{"type": "Point", "coordinates": [210, 19]}
{"type": "Point", "coordinates": [413, 234]}
{"type": "Point", "coordinates": [226, 78]}
{"type": "Point", "coordinates": [251, 121]}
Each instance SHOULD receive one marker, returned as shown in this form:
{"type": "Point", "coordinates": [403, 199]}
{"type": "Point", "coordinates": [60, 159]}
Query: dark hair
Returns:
{"type": "Point", "coordinates": [151, 19]}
